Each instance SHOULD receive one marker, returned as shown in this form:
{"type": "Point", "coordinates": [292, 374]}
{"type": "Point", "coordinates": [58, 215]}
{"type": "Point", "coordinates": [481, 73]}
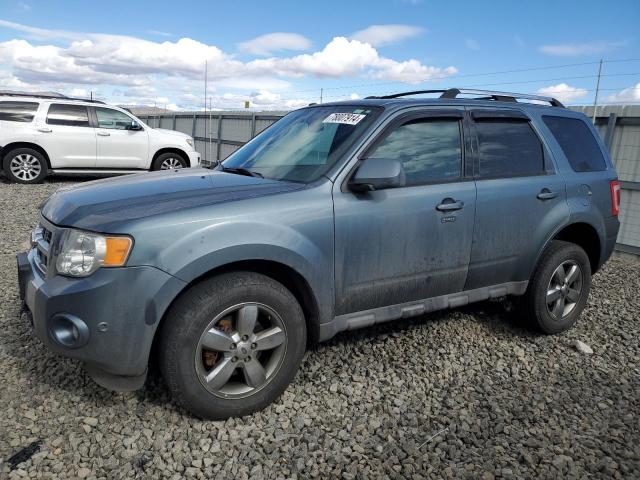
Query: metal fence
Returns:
{"type": "Point", "coordinates": [219, 134]}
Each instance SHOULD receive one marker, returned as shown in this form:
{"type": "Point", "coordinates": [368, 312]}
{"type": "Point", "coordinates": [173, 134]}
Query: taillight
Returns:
{"type": "Point", "coordinates": [614, 185]}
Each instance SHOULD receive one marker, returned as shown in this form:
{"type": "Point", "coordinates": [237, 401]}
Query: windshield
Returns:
{"type": "Point", "coordinates": [303, 145]}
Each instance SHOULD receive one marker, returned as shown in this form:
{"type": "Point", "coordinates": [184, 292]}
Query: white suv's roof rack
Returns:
{"type": "Point", "coordinates": [45, 95]}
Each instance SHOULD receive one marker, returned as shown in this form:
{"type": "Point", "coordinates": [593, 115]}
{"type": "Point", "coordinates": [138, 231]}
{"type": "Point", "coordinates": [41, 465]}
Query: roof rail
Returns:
{"type": "Point", "coordinates": [482, 95]}
{"type": "Point", "coordinates": [46, 95]}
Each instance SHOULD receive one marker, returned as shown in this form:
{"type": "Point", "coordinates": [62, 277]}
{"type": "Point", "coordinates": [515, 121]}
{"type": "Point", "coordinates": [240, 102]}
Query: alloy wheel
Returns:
{"type": "Point", "coordinates": [564, 290]}
{"type": "Point", "coordinates": [241, 350]}
{"type": "Point", "coordinates": [25, 167]}
{"type": "Point", "coordinates": [171, 163]}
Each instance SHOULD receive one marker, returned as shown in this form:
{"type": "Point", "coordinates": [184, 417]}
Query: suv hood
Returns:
{"type": "Point", "coordinates": [104, 205]}
{"type": "Point", "coordinates": [171, 133]}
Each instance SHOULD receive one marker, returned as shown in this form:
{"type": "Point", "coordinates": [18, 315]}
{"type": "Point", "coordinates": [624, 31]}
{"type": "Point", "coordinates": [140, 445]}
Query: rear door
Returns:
{"type": "Point", "coordinates": [117, 146]}
{"type": "Point", "coordinates": [67, 136]}
{"type": "Point", "coordinates": [521, 197]}
{"type": "Point", "coordinates": [404, 244]}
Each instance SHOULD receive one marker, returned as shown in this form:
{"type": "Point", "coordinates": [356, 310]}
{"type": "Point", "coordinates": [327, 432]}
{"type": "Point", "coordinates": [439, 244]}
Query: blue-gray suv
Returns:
{"type": "Point", "coordinates": [337, 217]}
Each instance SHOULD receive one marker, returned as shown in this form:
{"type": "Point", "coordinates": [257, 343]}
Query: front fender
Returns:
{"type": "Point", "coordinates": [214, 246]}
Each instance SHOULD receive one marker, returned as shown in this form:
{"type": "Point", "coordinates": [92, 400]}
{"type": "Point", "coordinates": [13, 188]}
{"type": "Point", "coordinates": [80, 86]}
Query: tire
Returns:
{"type": "Point", "coordinates": [546, 305]}
{"type": "Point", "coordinates": [223, 301]}
{"type": "Point", "coordinates": [25, 165]}
{"type": "Point", "coordinates": [169, 161]}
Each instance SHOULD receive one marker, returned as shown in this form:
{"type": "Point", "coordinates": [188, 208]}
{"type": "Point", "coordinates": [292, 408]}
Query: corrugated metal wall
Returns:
{"type": "Point", "coordinates": [619, 126]}
{"type": "Point", "coordinates": [219, 134]}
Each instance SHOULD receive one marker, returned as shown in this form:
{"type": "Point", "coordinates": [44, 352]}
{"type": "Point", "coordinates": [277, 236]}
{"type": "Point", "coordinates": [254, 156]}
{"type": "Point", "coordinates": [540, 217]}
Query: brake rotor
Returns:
{"type": "Point", "coordinates": [210, 357]}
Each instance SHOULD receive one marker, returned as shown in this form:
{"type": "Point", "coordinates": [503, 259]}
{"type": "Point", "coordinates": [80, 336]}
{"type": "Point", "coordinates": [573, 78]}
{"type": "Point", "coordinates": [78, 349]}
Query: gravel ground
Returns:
{"type": "Point", "coordinates": [463, 393]}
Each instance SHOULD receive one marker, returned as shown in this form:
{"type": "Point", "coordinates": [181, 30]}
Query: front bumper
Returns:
{"type": "Point", "coordinates": [194, 159]}
{"type": "Point", "coordinates": [121, 308]}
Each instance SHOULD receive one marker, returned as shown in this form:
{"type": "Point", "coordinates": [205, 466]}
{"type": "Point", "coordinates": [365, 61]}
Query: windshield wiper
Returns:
{"type": "Point", "coordinates": [242, 171]}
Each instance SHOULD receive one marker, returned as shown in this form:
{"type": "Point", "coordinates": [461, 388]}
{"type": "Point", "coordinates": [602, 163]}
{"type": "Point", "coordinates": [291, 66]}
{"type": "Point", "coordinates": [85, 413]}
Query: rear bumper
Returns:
{"type": "Point", "coordinates": [116, 310]}
{"type": "Point", "coordinates": [612, 226]}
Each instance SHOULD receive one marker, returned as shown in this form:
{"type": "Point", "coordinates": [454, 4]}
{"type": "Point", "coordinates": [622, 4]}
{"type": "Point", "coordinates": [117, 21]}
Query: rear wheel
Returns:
{"type": "Point", "coordinates": [232, 344]}
{"type": "Point", "coordinates": [169, 161]}
{"type": "Point", "coordinates": [25, 165]}
{"type": "Point", "coordinates": [559, 288]}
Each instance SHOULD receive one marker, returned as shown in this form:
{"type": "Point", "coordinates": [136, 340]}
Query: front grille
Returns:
{"type": "Point", "coordinates": [41, 240]}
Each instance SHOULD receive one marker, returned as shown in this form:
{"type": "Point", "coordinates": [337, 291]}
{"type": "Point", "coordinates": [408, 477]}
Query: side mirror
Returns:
{"type": "Point", "coordinates": [134, 126]}
{"type": "Point", "coordinates": [378, 174]}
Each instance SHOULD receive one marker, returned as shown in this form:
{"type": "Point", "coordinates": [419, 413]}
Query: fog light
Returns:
{"type": "Point", "coordinates": [68, 330]}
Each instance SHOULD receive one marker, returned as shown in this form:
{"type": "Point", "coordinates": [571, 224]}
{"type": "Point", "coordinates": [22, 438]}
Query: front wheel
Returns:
{"type": "Point", "coordinates": [231, 345]}
{"type": "Point", "coordinates": [559, 288]}
{"type": "Point", "coordinates": [169, 161]}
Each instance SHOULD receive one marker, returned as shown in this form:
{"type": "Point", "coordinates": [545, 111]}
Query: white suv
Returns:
{"type": "Point", "coordinates": [43, 134]}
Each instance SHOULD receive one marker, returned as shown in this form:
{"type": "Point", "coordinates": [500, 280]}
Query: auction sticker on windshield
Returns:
{"type": "Point", "coordinates": [345, 118]}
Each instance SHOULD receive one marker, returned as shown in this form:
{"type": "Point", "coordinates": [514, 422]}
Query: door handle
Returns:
{"type": "Point", "coordinates": [450, 205]}
{"type": "Point", "coordinates": [44, 130]}
{"type": "Point", "coordinates": [104, 134]}
{"type": "Point", "coordinates": [546, 194]}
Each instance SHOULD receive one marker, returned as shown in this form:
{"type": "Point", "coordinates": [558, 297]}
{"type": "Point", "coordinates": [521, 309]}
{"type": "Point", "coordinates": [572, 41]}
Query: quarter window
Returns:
{"type": "Point", "coordinates": [69, 115]}
{"type": "Point", "coordinates": [508, 148]}
{"type": "Point", "coordinates": [577, 143]}
{"type": "Point", "coordinates": [18, 111]}
{"type": "Point", "coordinates": [430, 150]}
{"type": "Point", "coordinates": [113, 119]}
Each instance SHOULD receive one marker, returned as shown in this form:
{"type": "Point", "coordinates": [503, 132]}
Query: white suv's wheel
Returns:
{"type": "Point", "coordinates": [169, 161]}
{"type": "Point", "coordinates": [25, 165]}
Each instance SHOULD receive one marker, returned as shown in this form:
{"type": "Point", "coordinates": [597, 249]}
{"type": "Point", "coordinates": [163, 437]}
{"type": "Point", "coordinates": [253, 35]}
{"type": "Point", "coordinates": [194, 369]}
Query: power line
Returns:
{"type": "Point", "coordinates": [499, 72]}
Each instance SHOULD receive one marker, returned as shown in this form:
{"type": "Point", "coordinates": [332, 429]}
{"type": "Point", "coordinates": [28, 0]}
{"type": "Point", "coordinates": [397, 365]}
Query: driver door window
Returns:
{"type": "Point", "coordinates": [430, 150]}
{"type": "Point", "coordinates": [112, 119]}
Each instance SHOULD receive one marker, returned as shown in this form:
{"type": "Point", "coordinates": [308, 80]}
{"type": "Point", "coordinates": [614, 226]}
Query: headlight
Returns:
{"type": "Point", "coordinates": [190, 142]}
{"type": "Point", "coordinates": [82, 253]}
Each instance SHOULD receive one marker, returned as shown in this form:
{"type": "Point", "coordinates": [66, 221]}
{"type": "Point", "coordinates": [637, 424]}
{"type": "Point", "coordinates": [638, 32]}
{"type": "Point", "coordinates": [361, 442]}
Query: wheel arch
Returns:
{"type": "Point", "coordinates": [175, 151]}
{"type": "Point", "coordinates": [280, 272]}
{"type": "Point", "coordinates": [15, 145]}
{"type": "Point", "coordinates": [583, 234]}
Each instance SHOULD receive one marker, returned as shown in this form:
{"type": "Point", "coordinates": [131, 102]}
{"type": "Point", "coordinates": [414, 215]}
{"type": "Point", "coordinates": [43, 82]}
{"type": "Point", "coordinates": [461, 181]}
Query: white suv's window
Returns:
{"type": "Point", "coordinates": [109, 118]}
{"type": "Point", "coordinates": [69, 115]}
{"type": "Point", "coordinates": [11, 111]}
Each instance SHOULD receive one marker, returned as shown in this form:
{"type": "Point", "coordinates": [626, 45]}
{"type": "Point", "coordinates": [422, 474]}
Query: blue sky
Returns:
{"type": "Point", "coordinates": [280, 54]}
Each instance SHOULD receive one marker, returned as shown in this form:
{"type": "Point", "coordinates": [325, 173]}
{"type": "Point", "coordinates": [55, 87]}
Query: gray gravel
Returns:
{"type": "Point", "coordinates": [463, 393]}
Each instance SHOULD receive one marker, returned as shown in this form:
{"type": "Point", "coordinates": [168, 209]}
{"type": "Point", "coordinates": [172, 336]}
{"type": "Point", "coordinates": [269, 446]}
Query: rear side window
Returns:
{"type": "Point", "coordinates": [430, 150]}
{"type": "Point", "coordinates": [508, 148]}
{"type": "Point", "coordinates": [577, 143]}
{"type": "Point", "coordinates": [69, 115]}
{"type": "Point", "coordinates": [18, 111]}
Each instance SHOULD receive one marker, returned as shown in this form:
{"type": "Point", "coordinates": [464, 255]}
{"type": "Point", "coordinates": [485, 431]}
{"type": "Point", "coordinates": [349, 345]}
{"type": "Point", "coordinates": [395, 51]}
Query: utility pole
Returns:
{"type": "Point", "coordinates": [210, 124]}
{"type": "Point", "coordinates": [321, 92]}
{"type": "Point", "coordinates": [595, 100]}
{"type": "Point", "coordinates": [206, 131]}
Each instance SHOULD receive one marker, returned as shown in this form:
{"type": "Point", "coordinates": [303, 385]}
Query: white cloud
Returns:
{"type": "Point", "coordinates": [160, 33]}
{"type": "Point", "coordinates": [343, 58]}
{"type": "Point", "coordinates": [63, 60]}
{"type": "Point", "coordinates": [631, 95]}
{"type": "Point", "coordinates": [381, 35]}
{"type": "Point", "coordinates": [266, 45]}
{"type": "Point", "coordinates": [24, 6]}
{"type": "Point", "coordinates": [472, 44]}
{"type": "Point", "coordinates": [563, 92]}
{"type": "Point", "coordinates": [577, 49]}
